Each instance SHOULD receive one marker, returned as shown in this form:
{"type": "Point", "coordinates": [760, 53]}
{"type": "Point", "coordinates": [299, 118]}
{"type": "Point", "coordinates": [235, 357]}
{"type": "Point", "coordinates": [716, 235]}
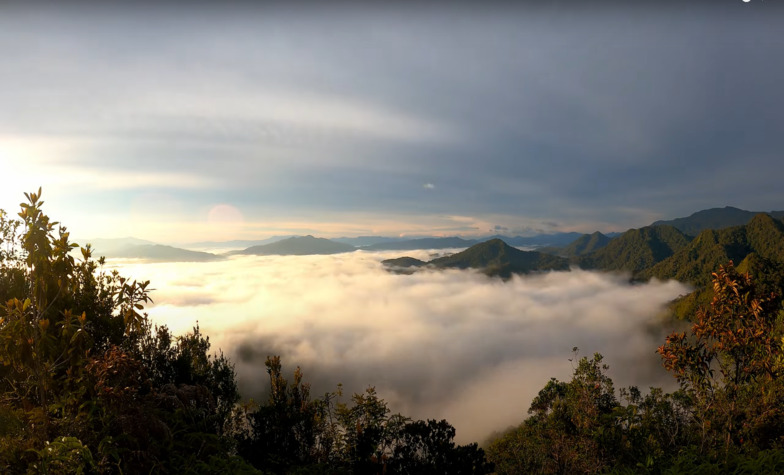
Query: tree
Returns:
{"type": "Point", "coordinates": [567, 431]}
{"type": "Point", "coordinates": [428, 447]}
{"type": "Point", "coordinates": [86, 383]}
{"type": "Point", "coordinates": [728, 365]}
{"type": "Point", "coordinates": [293, 433]}
{"type": "Point", "coordinates": [290, 429]}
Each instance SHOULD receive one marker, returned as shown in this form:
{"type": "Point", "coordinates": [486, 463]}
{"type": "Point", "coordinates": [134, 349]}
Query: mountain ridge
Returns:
{"type": "Point", "coordinates": [714, 218]}
{"type": "Point", "coordinates": [493, 258]}
{"type": "Point", "coordinates": [298, 246]}
{"type": "Point", "coordinates": [636, 249]}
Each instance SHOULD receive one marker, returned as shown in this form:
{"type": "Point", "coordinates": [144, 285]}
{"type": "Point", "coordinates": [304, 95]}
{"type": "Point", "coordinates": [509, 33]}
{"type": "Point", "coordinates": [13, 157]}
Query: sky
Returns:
{"type": "Point", "coordinates": [233, 121]}
{"type": "Point", "coordinates": [453, 344]}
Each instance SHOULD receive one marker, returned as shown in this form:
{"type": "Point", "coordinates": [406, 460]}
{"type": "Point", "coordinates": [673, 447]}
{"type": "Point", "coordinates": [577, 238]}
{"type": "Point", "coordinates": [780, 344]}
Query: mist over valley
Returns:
{"type": "Point", "coordinates": [451, 344]}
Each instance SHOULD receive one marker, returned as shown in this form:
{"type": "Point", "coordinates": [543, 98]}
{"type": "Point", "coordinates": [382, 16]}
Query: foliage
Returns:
{"type": "Point", "coordinates": [726, 418]}
{"type": "Point", "coordinates": [427, 447]}
{"type": "Point", "coordinates": [63, 455]}
{"type": "Point", "coordinates": [728, 364]}
{"type": "Point", "coordinates": [78, 392]}
{"type": "Point", "coordinates": [294, 434]}
{"type": "Point", "coordinates": [566, 430]}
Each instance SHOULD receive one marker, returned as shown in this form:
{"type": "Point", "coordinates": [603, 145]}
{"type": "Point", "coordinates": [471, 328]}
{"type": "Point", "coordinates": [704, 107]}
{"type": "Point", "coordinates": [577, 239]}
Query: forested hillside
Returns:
{"type": "Point", "coordinates": [636, 249]}
{"type": "Point", "coordinates": [585, 244]}
{"type": "Point", "coordinates": [757, 247]}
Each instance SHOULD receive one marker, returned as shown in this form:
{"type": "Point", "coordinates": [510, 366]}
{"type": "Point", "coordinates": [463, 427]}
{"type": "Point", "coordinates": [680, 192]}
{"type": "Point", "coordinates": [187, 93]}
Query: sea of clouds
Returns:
{"type": "Point", "coordinates": [436, 344]}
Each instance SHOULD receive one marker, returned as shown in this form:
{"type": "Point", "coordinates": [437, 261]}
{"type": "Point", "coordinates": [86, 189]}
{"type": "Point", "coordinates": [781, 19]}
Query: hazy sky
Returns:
{"type": "Point", "coordinates": [451, 344]}
{"type": "Point", "coordinates": [225, 121]}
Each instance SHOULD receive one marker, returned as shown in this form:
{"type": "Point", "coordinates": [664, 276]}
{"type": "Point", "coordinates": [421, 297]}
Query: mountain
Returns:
{"type": "Point", "coordinates": [763, 237]}
{"type": "Point", "coordinates": [423, 243]}
{"type": "Point", "coordinates": [756, 247]}
{"type": "Point", "coordinates": [636, 249]}
{"type": "Point", "coordinates": [134, 248]}
{"type": "Point", "coordinates": [404, 262]}
{"type": "Point", "coordinates": [403, 265]}
{"type": "Point", "coordinates": [362, 241]}
{"type": "Point", "coordinates": [497, 258]}
{"type": "Point", "coordinates": [237, 243]}
{"type": "Point", "coordinates": [299, 246]}
{"type": "Point", "coordinates": [112, 244]}
{"type": "Point", "coordinates": [157, 253]}
{"type": "Point", "coordinates": [553, 240]}
{"type": "Point", "coordinates": [581, 246]}
{"type": "Point", "coordinates": [714, 218]}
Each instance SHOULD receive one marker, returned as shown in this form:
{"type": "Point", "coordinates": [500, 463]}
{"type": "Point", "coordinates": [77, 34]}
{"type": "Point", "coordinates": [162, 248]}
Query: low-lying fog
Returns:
{"type": "Point", "coordinates": [448, 344]}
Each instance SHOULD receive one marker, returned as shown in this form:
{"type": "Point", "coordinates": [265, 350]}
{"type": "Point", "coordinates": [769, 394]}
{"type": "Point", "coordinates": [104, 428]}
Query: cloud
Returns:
{"type": "Point", "coordinates": [335, 109]}
{"type": "Point", "coordinates": [452, 345]}
{"type": "Point", "coordinates": [429, 186]}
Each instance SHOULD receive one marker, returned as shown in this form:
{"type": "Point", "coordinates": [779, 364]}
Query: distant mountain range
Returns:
{"type": "Point", "coordinates": [633, 251]}
{"type": "Point", "coordinates": [586, 244]}
{"type": "Point", "coordinates": [581, 246]}
{"type": "Point", "coordinates": [665, 249]}
{"type": "Point", "coordinates": [299, 246]}
{"type": "Point", "coordinates": [388, 243]}
{"type": "Point", "coordinates": [235, 244]}
{"type": "Point", "coordinates": [660, 251]}
{"type": "Point", "coordinates": [686, 249]}
{"type": "Point", "coordinates": [541, 240]}
{"type": "Point", "coordinates": [112, 244]}
{"type": "Point", "coordinates": [133, 248]}
{"type": "Point", "coordinates": [714, 218]}
{"type": "Point", "coordinates": [423, 243]}
{"type": "Point", "coordinates": [363, 241]}
{"type": "Point", "coordinates": [160, 253]}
